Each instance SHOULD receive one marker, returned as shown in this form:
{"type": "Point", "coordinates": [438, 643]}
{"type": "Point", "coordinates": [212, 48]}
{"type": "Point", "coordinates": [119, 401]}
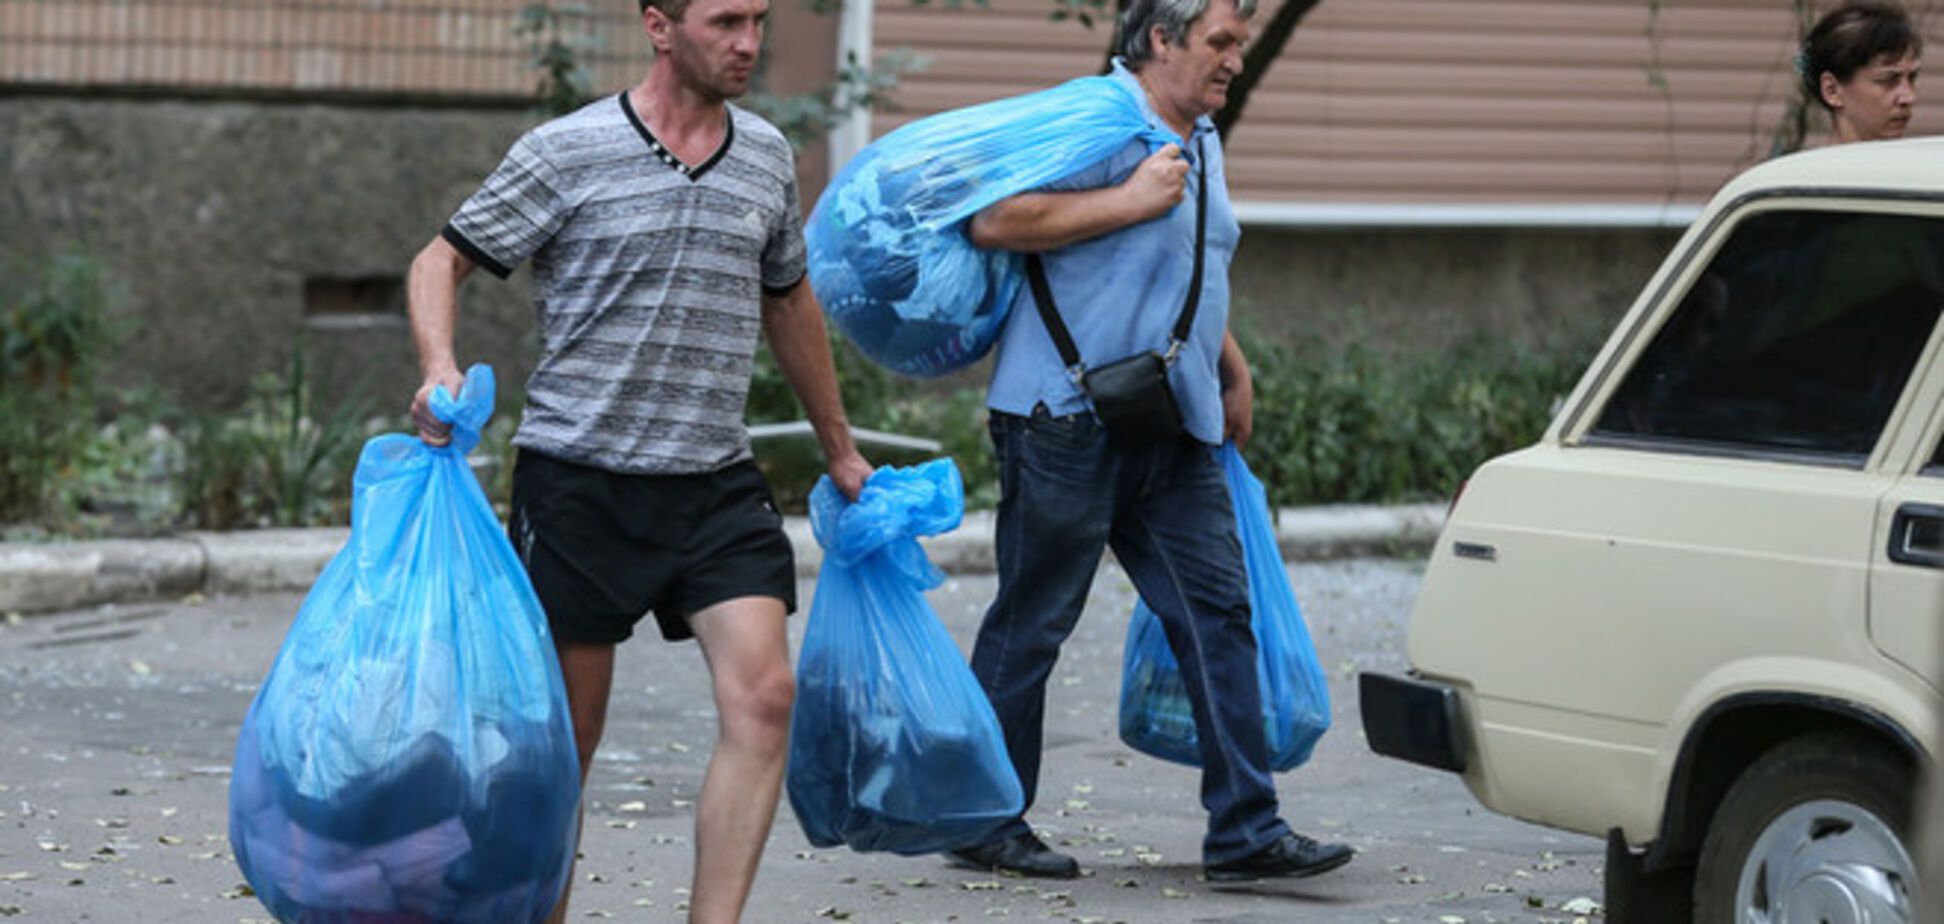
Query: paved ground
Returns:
{"type": "Point", "coordinates": [116, 730]}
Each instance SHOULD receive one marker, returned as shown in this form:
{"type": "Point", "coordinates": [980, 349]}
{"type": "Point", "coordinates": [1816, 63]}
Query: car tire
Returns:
{"type": "Point", "coordinates": [1821, 821]}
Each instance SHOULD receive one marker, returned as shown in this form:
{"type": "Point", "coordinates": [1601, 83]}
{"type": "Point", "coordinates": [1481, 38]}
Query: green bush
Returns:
{"type": "Point", "coordinates": [54, 331]}
{"type": "Point", "coordinates": [1333, 424]}
{"type": "Point", "coordinates": [874, 400]}
{"type": "Point", "coordinates": [279, 461]}
{"type": "Point", "coordinates": [1358, 424]}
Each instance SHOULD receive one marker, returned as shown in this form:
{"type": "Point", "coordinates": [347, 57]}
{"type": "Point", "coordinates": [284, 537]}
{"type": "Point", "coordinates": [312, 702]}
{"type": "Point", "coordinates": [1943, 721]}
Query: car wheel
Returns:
{"type": "Point", "coordinates": [1816, 831]}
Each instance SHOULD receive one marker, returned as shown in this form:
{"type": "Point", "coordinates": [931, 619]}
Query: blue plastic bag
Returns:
{"type": "Point", "coordinates": [893, 745]}
{"type": "Point", "coordinates": [1155, 716]}
{"type": "Point", "coordinates": [889, 257]}
{"type": "Point", "coordinates": [410, 755]}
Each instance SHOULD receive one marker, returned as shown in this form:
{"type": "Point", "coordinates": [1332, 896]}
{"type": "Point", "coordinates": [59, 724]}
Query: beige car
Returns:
{"type": "Point", "coordinates": [1701, 618]}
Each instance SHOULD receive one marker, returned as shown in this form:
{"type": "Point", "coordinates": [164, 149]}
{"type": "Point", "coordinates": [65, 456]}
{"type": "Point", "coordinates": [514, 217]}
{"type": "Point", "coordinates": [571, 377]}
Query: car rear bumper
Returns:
{"type": "Point", "coordinates": [1413, 720]}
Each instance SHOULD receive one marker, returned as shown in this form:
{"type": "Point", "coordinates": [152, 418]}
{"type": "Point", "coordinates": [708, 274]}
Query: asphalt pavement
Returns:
{"type": "Point", "coordinates": [120, 721]}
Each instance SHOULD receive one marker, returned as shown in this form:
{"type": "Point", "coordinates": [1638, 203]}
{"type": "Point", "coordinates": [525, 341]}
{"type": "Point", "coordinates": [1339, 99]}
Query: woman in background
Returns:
{"type": "Point", "coordinates": [1861, 62]}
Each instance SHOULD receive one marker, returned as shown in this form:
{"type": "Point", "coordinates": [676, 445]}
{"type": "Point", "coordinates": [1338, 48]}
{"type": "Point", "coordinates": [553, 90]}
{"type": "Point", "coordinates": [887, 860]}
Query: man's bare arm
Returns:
{"type": "Point", "coordinates": [793, 325]}
{"type": "Point", "coordinates": [432, 301]}
{"type": "Point", "coordinates": [1034, 222]}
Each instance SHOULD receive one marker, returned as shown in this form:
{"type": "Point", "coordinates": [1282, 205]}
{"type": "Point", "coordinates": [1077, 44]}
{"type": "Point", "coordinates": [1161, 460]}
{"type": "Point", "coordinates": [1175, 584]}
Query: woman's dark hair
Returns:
{"type": "Point", "coordinates": [1852, 35]}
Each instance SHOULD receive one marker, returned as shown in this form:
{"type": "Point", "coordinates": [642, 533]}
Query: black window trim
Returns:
{"type": "Point", "coordinates": [1586, 415]}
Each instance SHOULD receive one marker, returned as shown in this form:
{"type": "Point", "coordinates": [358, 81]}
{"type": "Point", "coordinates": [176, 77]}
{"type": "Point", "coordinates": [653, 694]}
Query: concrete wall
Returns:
{"type": "Point", "coordinates": [214, 214]}
{"type": "Point", "coordinates": [1419, 289]}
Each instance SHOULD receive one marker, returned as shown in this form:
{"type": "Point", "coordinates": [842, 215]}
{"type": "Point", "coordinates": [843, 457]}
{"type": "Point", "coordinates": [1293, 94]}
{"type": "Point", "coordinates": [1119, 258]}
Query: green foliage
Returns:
{"type": "Point", "coordinates": [874, 400]}
{"type": "Point", "coordinates": [565, 85]}
{"type": "Point", "coordinates": [54, 332]}
{"type": "Point", "coordinates": [805, 118]}
{"type": "Point", "coordinates": [1084, 11]}
{"type": "Point", "coordinates": [1333, 424]}
{"type": "Point", "coordinates": [1357, 424]}
{"type": "Point", "coordinates": [276, 463]}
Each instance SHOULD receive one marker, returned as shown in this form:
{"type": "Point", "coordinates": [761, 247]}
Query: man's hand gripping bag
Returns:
{"type": "Point", "coordinates": [1155, 716]}
{"type": "Point", "coordinates": [410, 758]}
{"type": "Point", "coordinates": [893, 745]}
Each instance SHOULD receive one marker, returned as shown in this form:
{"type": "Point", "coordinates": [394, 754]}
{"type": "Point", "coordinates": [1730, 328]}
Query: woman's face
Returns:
{"type": "Point", "coordinates": [1876, 103]}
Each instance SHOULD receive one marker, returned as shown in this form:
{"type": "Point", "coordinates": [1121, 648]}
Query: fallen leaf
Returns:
{"type": "Point", "coordinates": [1173, 893]}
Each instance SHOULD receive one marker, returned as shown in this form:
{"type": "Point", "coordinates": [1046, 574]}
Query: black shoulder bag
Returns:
{"type": "Point", "coordinates": [1131, 396]}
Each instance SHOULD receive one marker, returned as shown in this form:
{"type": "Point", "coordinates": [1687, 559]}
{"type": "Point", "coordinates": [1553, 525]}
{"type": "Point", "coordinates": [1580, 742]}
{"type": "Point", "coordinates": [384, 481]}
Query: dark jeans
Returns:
{"type": "Point", "coordinates": [1065, 495]}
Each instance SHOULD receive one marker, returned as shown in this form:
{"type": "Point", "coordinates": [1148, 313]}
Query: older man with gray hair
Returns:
{"type": "Point", "coordinates": [1130, 259]}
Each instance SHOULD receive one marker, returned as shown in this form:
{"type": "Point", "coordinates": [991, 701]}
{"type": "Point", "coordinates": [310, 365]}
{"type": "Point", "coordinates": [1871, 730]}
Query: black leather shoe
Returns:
{"type": "Point", "coordinates": [1021, 854]}
{"type": "Point", "coordinates": [1293, 857]}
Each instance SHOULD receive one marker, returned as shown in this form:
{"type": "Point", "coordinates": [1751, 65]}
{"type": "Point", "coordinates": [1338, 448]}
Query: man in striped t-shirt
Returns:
{"type": "Point", "coordinates": [663, 229]}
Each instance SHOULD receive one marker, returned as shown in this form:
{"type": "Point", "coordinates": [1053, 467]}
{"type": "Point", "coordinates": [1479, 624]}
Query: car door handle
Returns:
{"type": "Point", "coordinates": [1917, 535]}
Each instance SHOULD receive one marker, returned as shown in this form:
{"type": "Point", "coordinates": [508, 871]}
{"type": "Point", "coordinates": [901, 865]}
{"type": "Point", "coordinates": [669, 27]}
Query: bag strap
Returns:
{"type": "Point", "coordinates": [1050, 313]}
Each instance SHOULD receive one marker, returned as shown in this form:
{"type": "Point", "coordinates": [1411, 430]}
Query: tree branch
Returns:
{"type": "Point", "coordinates": [1260, 57]}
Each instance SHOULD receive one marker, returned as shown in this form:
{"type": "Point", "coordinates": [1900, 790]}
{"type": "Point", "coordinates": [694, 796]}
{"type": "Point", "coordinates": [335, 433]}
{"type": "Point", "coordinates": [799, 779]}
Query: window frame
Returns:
{"type": "Point", "coordinates": [1694, 254]}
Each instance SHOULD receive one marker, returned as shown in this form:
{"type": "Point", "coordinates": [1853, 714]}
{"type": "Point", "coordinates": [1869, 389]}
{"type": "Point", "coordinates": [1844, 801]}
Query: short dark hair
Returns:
{"type": "Point", "coordinates": [1852, 35]}
{"type": "Point", "coordinates": [673, 9]}
{"type": "Point", "coordinates": [1173, 16]}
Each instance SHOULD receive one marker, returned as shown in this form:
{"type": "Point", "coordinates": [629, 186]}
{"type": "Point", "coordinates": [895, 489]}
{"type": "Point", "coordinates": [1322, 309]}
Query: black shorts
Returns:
{"type": "Point", "coordinates": [604, 549]}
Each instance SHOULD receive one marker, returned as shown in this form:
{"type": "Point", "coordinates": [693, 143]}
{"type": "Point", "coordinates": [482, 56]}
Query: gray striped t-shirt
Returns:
{"type": "Point", "coordinates": [647, 277]}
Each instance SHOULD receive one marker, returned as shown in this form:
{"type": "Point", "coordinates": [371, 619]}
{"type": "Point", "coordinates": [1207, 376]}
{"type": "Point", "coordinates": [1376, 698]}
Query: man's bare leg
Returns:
{"type": "Point", "coordinates": [588, 670]}
{"type": "Point", "coordinates": [748, 653]}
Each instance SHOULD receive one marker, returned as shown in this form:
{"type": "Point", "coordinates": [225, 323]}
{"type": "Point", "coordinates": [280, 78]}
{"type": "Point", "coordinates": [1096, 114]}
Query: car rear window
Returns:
{"type": "Point", "coordinates": [1797, 340]}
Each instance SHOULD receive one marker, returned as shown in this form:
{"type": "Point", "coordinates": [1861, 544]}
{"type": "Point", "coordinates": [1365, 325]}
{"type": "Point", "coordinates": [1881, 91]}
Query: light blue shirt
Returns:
{"type": "Point", "coordinates": [1121, 293]}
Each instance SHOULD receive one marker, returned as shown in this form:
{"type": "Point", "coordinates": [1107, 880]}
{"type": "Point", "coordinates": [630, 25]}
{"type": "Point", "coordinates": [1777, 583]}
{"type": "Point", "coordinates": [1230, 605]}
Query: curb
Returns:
{"type": "Point", "coordinates": [47, 577]}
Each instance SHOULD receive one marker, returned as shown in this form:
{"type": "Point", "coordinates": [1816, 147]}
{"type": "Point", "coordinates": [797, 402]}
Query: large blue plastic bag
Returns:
{"type": "Point", "coordinates": [889, 257]}
{"type": "Point", "coordinates": [893, 745]}
{"type": "Point", "coordinates": [1155, 716]}
{"type": "Point", "coordinates": [410, 756]}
